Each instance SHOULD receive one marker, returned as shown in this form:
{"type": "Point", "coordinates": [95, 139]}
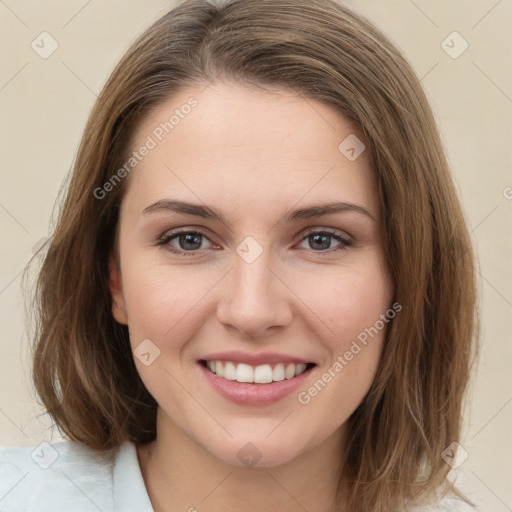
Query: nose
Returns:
{"type": "Point", "coordinates": [255, 298]}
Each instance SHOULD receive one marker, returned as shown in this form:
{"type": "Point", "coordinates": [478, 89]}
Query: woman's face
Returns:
{"type": "Point", "coordinates": [259, 284]}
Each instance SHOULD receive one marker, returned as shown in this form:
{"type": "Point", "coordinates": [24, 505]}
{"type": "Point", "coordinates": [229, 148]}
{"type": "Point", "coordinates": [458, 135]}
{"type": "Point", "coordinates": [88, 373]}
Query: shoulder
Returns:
{"type": "Point", "coordinates": [455, 505]}
{"type": "Point", "coordinates": [50, 476]}
{"type": "Point", "coordinates": [65, 476]}
{"type": "Point", "coordinates": [54, 457]}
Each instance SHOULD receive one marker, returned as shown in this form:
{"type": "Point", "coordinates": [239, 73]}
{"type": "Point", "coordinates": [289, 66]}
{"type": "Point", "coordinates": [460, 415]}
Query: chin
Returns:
{"type": "Point", "coordinates": [258, 451]}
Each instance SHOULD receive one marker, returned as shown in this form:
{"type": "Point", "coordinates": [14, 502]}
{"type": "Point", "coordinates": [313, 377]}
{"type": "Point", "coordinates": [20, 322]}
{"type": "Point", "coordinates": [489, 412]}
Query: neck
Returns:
{"type": "Point", "coordinates": [181, 475]}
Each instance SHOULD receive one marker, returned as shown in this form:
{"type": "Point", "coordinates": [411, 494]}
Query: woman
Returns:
{"type": "Point", "coordinates": [260, 291]}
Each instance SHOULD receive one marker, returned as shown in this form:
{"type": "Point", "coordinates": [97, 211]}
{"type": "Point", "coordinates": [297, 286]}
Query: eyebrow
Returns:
{"type": "Point", "coordinates": [207, 212]}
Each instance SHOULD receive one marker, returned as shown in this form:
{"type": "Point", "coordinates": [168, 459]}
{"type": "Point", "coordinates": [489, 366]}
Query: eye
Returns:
{"type": "Point", "coordinates": [187, 242]}
{"type": "Point", "coordinates": [320, 241]}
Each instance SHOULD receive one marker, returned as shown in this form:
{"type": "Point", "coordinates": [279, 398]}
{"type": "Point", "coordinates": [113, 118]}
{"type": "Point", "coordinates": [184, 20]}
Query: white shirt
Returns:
{"type": "Point", "coordinates": [69, 477]}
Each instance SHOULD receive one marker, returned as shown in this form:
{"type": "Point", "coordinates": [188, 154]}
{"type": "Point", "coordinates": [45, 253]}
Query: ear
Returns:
{"type": "Point", "coordinates": [116, 291]}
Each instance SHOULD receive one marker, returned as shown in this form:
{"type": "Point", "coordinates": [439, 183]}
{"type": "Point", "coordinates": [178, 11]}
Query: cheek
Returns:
{"type": "Point", "coordinates": [158, 297]}
{"type": "Point", "coordinates": [354, 310]}
{"type": "Point", "coordinates": [347, 303]}
{"type": "Point", "coordinates": [162, 305]}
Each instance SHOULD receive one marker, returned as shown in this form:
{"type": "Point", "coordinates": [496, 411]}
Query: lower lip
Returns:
{"type": "Point", "coordinates": [254, 394]}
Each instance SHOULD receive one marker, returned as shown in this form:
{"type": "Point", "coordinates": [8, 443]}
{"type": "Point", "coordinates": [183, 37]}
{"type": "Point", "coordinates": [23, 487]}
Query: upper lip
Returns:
{"type": "Point", "coordinates": [254, 359]}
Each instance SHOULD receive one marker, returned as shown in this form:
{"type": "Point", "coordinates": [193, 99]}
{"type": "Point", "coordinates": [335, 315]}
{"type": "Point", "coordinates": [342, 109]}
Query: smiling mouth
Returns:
{"type": "Point", "coordinates": [261, 374]}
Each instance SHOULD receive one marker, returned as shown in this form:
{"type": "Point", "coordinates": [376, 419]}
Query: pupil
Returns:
{"type": "Point", "coordinates": [189, 239]}
{"type": "Point", "coordinates": [316, 239]}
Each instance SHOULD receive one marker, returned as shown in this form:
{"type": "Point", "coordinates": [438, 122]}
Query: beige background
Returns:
{"type": "Point", "coordinates": [45, 102]}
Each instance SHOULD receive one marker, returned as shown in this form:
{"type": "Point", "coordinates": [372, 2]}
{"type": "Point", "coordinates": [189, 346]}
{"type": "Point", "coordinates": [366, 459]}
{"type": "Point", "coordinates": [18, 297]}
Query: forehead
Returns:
{"type": "Point", "coordinates": [251, 146]}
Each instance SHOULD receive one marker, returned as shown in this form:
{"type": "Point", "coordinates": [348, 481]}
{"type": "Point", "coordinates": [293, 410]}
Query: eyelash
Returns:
{"type": "Point", "coordinates": [164, 241]}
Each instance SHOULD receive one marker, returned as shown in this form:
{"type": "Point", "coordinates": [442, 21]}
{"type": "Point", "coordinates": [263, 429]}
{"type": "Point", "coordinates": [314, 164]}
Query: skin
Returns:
{"type": "Point", "coordinates": [253, 154]}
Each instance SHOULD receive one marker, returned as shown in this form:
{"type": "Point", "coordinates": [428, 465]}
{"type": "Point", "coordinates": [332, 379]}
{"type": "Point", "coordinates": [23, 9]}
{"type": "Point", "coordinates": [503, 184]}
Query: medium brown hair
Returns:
{"type": "Point", "coordinates": [83, 365]}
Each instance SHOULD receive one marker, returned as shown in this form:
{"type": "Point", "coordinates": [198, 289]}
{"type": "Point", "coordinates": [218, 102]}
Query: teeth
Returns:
{"type": "Point", "coordinates": [299, 369]}
{"type": "Point", "coordinates": [278, 372]}
{"type": "Point", "coordinates": [244, 373]}
{"type": "Point", "coordinates": [290, 371]}
{"type": "Point", "coordinates": [230, 371]}
{"type": "Point", "coordinates": [219, 370]}
{"type": "Point", "coordinates": [262, 374]}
